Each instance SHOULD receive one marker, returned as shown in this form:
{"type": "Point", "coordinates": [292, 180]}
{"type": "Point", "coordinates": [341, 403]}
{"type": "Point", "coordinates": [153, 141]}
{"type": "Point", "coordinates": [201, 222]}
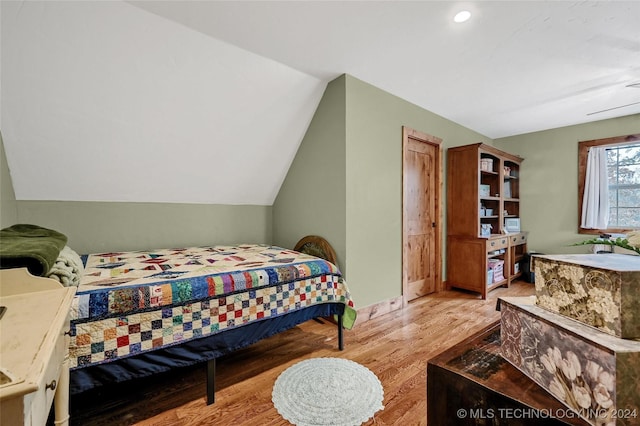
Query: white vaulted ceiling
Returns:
{"type": "Point", "coordinates": [103, 101]}
{"type": "Point", "coordinates": [207, 102]}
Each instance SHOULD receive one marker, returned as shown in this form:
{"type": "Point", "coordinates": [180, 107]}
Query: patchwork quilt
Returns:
{"type": "Point", "coordinates": [133, 302]}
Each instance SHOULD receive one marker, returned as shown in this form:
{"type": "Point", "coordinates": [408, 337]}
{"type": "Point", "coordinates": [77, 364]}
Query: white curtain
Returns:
{"type": "Point", "coordinates": [595, 202]}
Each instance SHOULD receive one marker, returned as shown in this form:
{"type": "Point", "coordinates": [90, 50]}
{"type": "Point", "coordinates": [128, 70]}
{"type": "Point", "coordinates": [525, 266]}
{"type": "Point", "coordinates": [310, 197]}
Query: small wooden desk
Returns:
{"type": "Point", "coordinates": [471, 384]}
{"type": "Point", "coordinates": [34, 348]}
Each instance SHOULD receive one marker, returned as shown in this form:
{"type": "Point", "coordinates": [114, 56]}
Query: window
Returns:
{"type": "Point", "coordinates": [623, 173]}
{"type": "Point", "coordinates": [623, 177]}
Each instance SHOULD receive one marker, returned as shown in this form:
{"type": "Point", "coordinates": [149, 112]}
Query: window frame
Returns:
{"type": "Point", "coordinates": [583, 151]}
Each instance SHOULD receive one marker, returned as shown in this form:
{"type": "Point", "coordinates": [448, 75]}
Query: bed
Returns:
{"type": "Point", "coordinates": [144, 312]}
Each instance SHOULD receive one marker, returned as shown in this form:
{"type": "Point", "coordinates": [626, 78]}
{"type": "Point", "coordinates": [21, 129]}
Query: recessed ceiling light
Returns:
{"type": "Point", "coordinates": [462, 16]}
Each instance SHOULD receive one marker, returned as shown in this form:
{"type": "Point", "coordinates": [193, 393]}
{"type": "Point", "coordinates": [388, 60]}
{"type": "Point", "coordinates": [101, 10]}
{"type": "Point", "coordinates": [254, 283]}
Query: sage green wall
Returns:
{"type": "Point", "coordinates": [311, 200]}
{"type": "Point", "coordinates": [106, 226]}
{"type": "Point", "coordinates": [8, 209]}
{"type": "Point", "coordinates": [374, 185]}
{"type": "Point", "coordinates": [345, 183]}
{"type": "Point", "coordinates": [549, 180]}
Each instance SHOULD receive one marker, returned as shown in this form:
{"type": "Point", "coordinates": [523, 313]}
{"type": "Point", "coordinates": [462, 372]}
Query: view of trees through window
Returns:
{"type": "Point", "coordinates": [623, 166]}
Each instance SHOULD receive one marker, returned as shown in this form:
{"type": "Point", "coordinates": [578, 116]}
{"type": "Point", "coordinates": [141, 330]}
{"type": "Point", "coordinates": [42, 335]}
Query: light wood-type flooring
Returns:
{"type": "Point", "coordinates": [395, 346]}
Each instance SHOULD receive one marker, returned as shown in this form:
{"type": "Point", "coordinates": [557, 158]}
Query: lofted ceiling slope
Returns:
{"type": "Point", "coordinates": [515, 67]}
{"type": "Point", "coordinates": [176, 101]}
{"type": "Point", "coordinates": [103, 101]}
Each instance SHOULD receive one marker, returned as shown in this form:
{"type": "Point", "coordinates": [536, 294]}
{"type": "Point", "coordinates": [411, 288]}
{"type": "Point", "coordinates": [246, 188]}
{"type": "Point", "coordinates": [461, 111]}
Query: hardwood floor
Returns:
{"type": "Point", "coordinates": [395, 346]}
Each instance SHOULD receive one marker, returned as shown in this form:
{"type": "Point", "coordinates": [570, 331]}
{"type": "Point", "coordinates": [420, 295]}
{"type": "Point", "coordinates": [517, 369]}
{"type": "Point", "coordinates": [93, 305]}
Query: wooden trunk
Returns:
{"type": "Point", "coordinates": [589, 371]}
{"type": "Point", "coordinates": [471, 384]}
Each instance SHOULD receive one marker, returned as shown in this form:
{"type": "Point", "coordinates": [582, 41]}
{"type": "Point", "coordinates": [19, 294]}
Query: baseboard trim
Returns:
{"type": "Point", "coordinates": [378, 309]}
{"type": "Point", "coordinates": [381, 308]}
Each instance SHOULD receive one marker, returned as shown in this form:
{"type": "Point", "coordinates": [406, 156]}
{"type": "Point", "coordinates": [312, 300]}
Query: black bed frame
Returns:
{"type": "Point", "coordinates": [199, 350]}
{"type": "Point", "coordinates": [211, 366]}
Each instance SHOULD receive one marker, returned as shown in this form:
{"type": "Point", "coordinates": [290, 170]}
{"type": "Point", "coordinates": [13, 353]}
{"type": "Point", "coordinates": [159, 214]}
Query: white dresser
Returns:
{"type": "Point", "coordinates": [33, 349]}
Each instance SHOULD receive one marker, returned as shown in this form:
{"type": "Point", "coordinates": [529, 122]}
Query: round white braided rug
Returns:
{"type": "Point", "coordinates": [327, 391]}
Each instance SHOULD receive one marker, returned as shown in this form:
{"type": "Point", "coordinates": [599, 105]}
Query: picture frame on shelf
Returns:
{"type": "Point", "coordinates": [507, 189]}
{"type": "Point", "coordinates": [512, 224]}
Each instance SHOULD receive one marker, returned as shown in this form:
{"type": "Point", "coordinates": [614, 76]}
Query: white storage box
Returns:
{"type": "Point", "coordinates": [497, 266]}
{"type": "Point", "coordinates": [486, 164]}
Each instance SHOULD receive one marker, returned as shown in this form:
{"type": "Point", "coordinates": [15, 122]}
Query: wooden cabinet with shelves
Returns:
{"type": "Point", "coordinates": [483, 189]}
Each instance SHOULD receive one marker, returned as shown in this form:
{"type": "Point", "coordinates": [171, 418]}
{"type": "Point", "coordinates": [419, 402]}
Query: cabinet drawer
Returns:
{"type": "Point", "coordinates": [42, 399]}
{"type": "Point", "coordinates": [497, 243]}
{"type": "Point", "coordinates": [518, 239]}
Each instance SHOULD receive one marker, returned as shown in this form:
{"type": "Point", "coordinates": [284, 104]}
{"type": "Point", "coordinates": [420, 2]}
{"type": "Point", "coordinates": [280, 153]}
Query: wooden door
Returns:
{"type": "Point", "coordinates": [421, 191]}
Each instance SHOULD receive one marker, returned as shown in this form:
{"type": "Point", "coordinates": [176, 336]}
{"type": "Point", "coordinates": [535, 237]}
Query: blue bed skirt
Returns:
{"type": "Point", "coordinates": [194, 351]}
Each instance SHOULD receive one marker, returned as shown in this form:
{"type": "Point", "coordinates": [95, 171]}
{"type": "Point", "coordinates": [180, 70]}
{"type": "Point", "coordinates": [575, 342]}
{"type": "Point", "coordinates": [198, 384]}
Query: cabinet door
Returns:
{"type": "Point", "coordinates": [467, 264]}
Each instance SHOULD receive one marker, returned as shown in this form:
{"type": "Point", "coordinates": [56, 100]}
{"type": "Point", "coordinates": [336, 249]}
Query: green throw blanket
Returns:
{"type": "Point", "coordinates": [30, 246]}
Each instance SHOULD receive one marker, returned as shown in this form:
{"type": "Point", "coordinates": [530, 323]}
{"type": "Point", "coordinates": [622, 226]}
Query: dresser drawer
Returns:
{"type": "Point", "coordinates": [497, 243]}
{"type": "Point", "coordinates": [41, 400]}
{"type": "Point", "coordinates": [517, 239]}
